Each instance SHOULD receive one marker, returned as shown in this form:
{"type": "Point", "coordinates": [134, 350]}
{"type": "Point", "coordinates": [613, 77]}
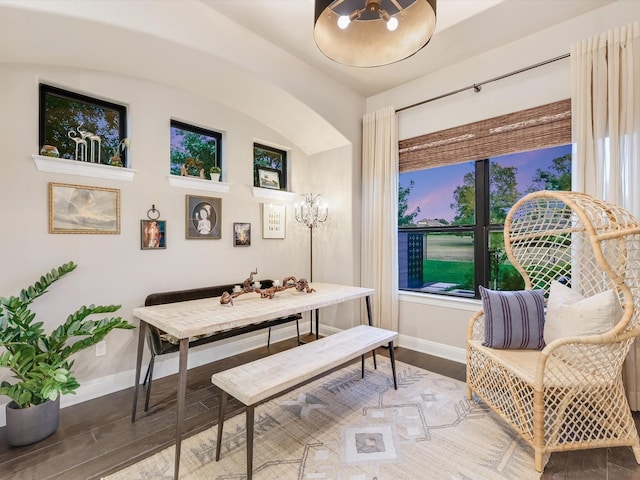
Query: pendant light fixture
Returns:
{"type": "Point", "coordinates": [372, 33]}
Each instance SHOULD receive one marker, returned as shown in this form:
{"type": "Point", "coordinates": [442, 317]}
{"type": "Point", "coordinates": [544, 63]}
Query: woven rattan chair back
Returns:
{"type": "Point", "coordinates": [570, 395]}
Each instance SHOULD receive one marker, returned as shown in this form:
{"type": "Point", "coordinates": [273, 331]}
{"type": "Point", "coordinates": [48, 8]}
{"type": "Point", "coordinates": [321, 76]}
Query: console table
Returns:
{"type": "Point", "coordinates": [185, 320]}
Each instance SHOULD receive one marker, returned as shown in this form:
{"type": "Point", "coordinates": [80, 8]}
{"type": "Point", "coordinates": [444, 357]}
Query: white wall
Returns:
{"type": "Point", "coordinates": [435, 324]}
{"type": "Point", "coordinates": [112, 268]}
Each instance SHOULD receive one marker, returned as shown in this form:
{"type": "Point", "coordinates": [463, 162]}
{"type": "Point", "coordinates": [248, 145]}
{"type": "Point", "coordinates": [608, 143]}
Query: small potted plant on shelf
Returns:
{"type": "Point", "coordinates": [215, 172]}
{"type": "Point", "coordinates": [40, 362]}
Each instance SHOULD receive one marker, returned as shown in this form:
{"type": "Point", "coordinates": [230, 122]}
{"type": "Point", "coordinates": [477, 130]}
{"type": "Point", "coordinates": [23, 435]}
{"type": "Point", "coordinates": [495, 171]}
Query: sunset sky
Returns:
{"type": "Point", "coordinates": [433, 189]}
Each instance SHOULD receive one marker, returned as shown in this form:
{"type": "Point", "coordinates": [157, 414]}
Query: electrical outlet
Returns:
{"type": "Point", "coordinates": [101, 348]}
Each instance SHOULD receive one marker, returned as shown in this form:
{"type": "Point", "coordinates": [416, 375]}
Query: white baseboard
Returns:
{"type": "Point", "coordinates": [441, 350]}
{"type": "Point", "coordinates": [168, 365]}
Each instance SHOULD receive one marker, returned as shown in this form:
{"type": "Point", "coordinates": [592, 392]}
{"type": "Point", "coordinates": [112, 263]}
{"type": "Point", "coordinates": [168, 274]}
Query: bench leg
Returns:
{"type": "Point", "coordinates": [249, 414]}
{"type": "Point", "coordinates": [222, 406]}
{"type": "Point", "coordinates": [269, 338]}
{"type": "Point", "coordinates": [392, 357]}
{"type": "Point", "coordinates": [362, 362]}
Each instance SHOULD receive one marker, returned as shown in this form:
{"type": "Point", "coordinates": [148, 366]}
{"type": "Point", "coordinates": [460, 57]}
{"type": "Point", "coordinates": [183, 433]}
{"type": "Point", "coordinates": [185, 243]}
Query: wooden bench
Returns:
{"type": "Point", "coordinates": [160, 344]}
{"type": "Point", "coordinates": [261, 380]}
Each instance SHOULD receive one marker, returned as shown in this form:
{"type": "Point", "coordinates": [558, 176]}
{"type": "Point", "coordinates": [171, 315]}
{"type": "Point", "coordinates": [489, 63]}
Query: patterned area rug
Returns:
{"type": "Point", "coordinates": [343, 427]}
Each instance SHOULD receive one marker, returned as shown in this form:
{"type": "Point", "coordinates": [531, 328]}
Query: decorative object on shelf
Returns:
{"type": "Point", "coordinates": [269, 178]}
{"type": "Point", "coordinates": [249, 286]}
{"type": "Point", "coordinates": [40, 362]}
{"type": "Point", "coordinates": [153, 231]}
{"type": "Point", "coordinates": [274, 218]}
{"type": "Point", "coordinates": [214, 173]}
{"type": "Point", "coordinates": [49, 151]}
{"type": "Point", "coordinates": [311, 212]}
{"type": "Point", "coordinates": [203, 217]}
{"type": "Point", "coordinates": [83, 209]}
{"type": "Point", "coordinates": [81, 145]}
{"type": "Point", "coordinates": [371, 33]}
{"type": "Point", "coordinates": [192, 168]}
{"type": "Point", "coordinates": [241, 234]}
{"type": "Point", "coordinates": [93, 140]}
{"type": "Point", "coordinates": [116, 160]}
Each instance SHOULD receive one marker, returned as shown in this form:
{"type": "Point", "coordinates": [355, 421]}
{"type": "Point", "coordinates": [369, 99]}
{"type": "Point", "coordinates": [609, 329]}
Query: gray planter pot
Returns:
{"type": "Point", "coordinates": [30, 425]}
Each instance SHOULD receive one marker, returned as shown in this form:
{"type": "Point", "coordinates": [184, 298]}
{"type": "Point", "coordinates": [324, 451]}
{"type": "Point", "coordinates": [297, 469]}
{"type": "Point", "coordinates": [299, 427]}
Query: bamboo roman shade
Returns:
{"type": "Point", "coordinates": [540, 127]}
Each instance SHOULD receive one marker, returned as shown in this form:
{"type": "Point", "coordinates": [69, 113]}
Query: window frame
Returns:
{"type": "Point", "coordinates": [283, 170]}
{"type": "Point", "coordinates": [46, 90]}
{"type": "Point", "coordinates": [187, 127]}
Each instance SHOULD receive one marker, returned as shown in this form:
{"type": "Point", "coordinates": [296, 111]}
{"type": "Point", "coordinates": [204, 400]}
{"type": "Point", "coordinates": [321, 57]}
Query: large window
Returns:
{"type": "Point", "coordinates": [451, 218]}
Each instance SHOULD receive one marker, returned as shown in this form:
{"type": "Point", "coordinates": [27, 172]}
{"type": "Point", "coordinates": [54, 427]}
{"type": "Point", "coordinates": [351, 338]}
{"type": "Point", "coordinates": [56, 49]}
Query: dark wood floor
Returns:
{"type": "Point", "coordinates": [97, 437]}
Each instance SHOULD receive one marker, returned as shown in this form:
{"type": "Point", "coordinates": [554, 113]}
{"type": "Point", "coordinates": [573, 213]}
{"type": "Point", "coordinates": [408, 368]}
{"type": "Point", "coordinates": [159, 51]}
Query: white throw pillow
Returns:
{"type": "Point", "coordinates": [569, 314]}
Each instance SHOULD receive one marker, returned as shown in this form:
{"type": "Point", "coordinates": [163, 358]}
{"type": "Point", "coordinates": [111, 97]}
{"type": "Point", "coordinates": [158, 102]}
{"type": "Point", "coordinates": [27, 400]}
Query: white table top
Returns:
{"type": "Point", "coordinates": [207, 316]}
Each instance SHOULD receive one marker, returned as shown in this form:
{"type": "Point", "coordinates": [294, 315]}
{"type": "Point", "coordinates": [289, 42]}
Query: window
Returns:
{"type": "Point", "coordinates": [82, 128]}
{"type": "Point", "coordinates": [271, 162]}
{"type": "Point", "coordinates": [452, 209]}
{"type": "Point", "coordinates": [194, 151]}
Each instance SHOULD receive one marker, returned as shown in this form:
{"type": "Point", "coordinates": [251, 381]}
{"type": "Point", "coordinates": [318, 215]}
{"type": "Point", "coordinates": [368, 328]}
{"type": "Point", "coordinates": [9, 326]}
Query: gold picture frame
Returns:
{"type": "Point", "coordinates": [83, 209]}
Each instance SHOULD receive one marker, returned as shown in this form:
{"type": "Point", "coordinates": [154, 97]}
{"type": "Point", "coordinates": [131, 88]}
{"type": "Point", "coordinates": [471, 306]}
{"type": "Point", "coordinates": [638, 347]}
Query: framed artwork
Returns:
{"type": "Point", "coordinates": [269, 178]}
{"type": "Point", "coordinates": [153, 234]}
{"type": "Point", "coordinates": [82, 128]}
{"type": "Point", "coordinates": [203, 217]}
{"type": "Point", "coordinates": [274, 218]}
{"type": "Point", "coordinates": [83, 209]}
{"type": "Point", "coordinates": [241, 234]}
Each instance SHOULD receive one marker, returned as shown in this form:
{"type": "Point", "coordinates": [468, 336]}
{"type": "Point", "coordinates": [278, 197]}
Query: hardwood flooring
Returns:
{"type": "Point", "coordinates": [96, 438]}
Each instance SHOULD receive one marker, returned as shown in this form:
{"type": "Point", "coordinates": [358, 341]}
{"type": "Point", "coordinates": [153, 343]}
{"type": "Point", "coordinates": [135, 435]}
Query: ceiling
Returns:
{"type": "Point", "coordinates": [464, 28]}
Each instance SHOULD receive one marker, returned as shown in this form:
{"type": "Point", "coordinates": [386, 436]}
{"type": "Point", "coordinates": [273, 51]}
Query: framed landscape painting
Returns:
{"type": "Point", "coordinates": [83, 209]}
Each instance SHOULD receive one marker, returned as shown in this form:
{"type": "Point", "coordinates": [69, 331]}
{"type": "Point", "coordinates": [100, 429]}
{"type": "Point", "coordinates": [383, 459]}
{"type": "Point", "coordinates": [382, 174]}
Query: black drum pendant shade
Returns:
{"type": "Point", "coordinates": [372, 33]}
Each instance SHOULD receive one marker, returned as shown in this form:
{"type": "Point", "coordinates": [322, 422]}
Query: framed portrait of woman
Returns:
{"type": "Point", "coordinates": [203, 218]}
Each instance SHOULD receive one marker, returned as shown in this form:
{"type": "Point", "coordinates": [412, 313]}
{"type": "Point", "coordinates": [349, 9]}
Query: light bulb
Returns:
{"type": "Point", "coordinates": [392, 24]}
{"type": "Point", "coordinates": [344, 21]}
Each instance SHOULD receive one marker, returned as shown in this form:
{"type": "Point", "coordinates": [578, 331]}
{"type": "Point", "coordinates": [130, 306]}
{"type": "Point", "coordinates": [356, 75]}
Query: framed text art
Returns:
{"type": "Point", "coordinates": [274, 218]}
{"type": "Point", "coordinates": [241, 234]}
{"type": "Point", "coordinates": [203, 217]}
{"type": "Point", "coordinates": [83, 209]}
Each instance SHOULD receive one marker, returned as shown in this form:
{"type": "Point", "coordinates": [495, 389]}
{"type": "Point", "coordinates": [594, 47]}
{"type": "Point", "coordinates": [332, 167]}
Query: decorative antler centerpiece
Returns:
{"type": "Point", "coordinates": [247, 287]}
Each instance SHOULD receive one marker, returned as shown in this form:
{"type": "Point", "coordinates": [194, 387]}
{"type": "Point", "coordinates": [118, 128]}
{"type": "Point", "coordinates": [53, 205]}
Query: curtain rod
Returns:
{"type": "Point", "coordinates": [477, 86]}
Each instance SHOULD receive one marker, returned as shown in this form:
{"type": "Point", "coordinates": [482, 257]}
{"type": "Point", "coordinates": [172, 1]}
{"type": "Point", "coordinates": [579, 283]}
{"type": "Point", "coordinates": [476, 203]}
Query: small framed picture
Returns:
{"type": "Point", "coordinates": [153, 234]}
{"type": "Point", "coordinates": [269, 178]}
{"type": "Point", "coordinates": [274, 218]}
{"type": "Point", "coordinates": [241, 234]}
{"type": "Point", "coordinates": [203, 217]}
{"type": "Point", "coordinates": [83, 209]}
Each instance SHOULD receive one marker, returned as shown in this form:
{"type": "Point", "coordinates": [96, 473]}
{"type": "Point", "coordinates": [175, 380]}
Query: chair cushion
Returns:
{"type": "Point", "coordinates": [513, 319]}
{"type": "Point", "coordinates": [569, 314]}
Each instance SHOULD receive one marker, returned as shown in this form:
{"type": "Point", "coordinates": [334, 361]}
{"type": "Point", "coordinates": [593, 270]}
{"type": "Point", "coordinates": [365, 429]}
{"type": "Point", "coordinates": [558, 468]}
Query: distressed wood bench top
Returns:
{"type": "Point", "coordinates": [259, 380]}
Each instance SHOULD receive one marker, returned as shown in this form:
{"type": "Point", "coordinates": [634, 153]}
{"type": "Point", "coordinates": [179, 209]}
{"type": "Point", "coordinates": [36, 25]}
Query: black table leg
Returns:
{"type": "Point", "coordinates": [142, 330]}
{"type": "Point", "coordinates": [392, 357]}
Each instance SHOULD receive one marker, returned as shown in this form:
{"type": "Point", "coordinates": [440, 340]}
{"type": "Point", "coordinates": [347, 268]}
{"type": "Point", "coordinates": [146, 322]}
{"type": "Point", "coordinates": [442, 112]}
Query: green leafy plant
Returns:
{"type": "Point", "coordinates": [38, 361]}
{"type": "Point", "coordinates": [215, 169]}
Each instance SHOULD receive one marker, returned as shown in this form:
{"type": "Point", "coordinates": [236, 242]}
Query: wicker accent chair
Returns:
{"type": "Point", "coordinates": [570, 394]}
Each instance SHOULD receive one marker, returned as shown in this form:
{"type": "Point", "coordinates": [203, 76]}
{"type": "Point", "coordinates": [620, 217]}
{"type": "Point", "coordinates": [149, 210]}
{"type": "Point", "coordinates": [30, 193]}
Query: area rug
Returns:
{"type": "Point", "coordinates": [344, 427]}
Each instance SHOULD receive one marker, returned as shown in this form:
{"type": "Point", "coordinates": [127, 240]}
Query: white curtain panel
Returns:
{"type": "Point", "coordinates": [380, 214]}
{"type": "Point", "coordinates": [605, 103]}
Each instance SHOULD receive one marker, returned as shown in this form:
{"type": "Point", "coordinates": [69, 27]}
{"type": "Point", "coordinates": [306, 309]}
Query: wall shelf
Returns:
{"type": "Point", "coordinates": [83, 169]}
{"type": "Point", "coordinates": [272, 194]}
{"type": "Point", "coordinates": [196, 183]}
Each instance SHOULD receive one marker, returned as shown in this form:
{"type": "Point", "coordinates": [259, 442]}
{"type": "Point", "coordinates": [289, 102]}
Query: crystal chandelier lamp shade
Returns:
{"type": "Point", "coordinates": [371, 33]}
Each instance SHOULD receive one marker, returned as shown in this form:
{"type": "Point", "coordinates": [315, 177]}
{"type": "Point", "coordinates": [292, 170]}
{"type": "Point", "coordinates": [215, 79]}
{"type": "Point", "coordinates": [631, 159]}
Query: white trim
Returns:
{"type": "Point", "coordinates": [272, 194]}
{"type": "Point", "coordinates": [194, 183]}
{"type": "Point", "coordinates": [441, 350]}
{"type": "Point", "coordinates": [83, 169]}
{"type": "Point", "coordinates": [468, 304]}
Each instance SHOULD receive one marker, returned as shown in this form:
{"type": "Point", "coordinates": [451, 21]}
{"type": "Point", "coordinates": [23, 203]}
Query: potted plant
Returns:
{"type": "Point", "coordinates": [40, 362]}
{"type": "Point", "coordinates": [115, 160]}
{"type": "Point", "coordinates": [215, 172]}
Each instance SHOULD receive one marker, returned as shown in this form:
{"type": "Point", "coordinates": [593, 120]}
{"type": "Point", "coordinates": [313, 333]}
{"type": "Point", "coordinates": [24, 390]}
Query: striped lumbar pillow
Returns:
{"type": "Point", "coordinates": [513, 319]}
